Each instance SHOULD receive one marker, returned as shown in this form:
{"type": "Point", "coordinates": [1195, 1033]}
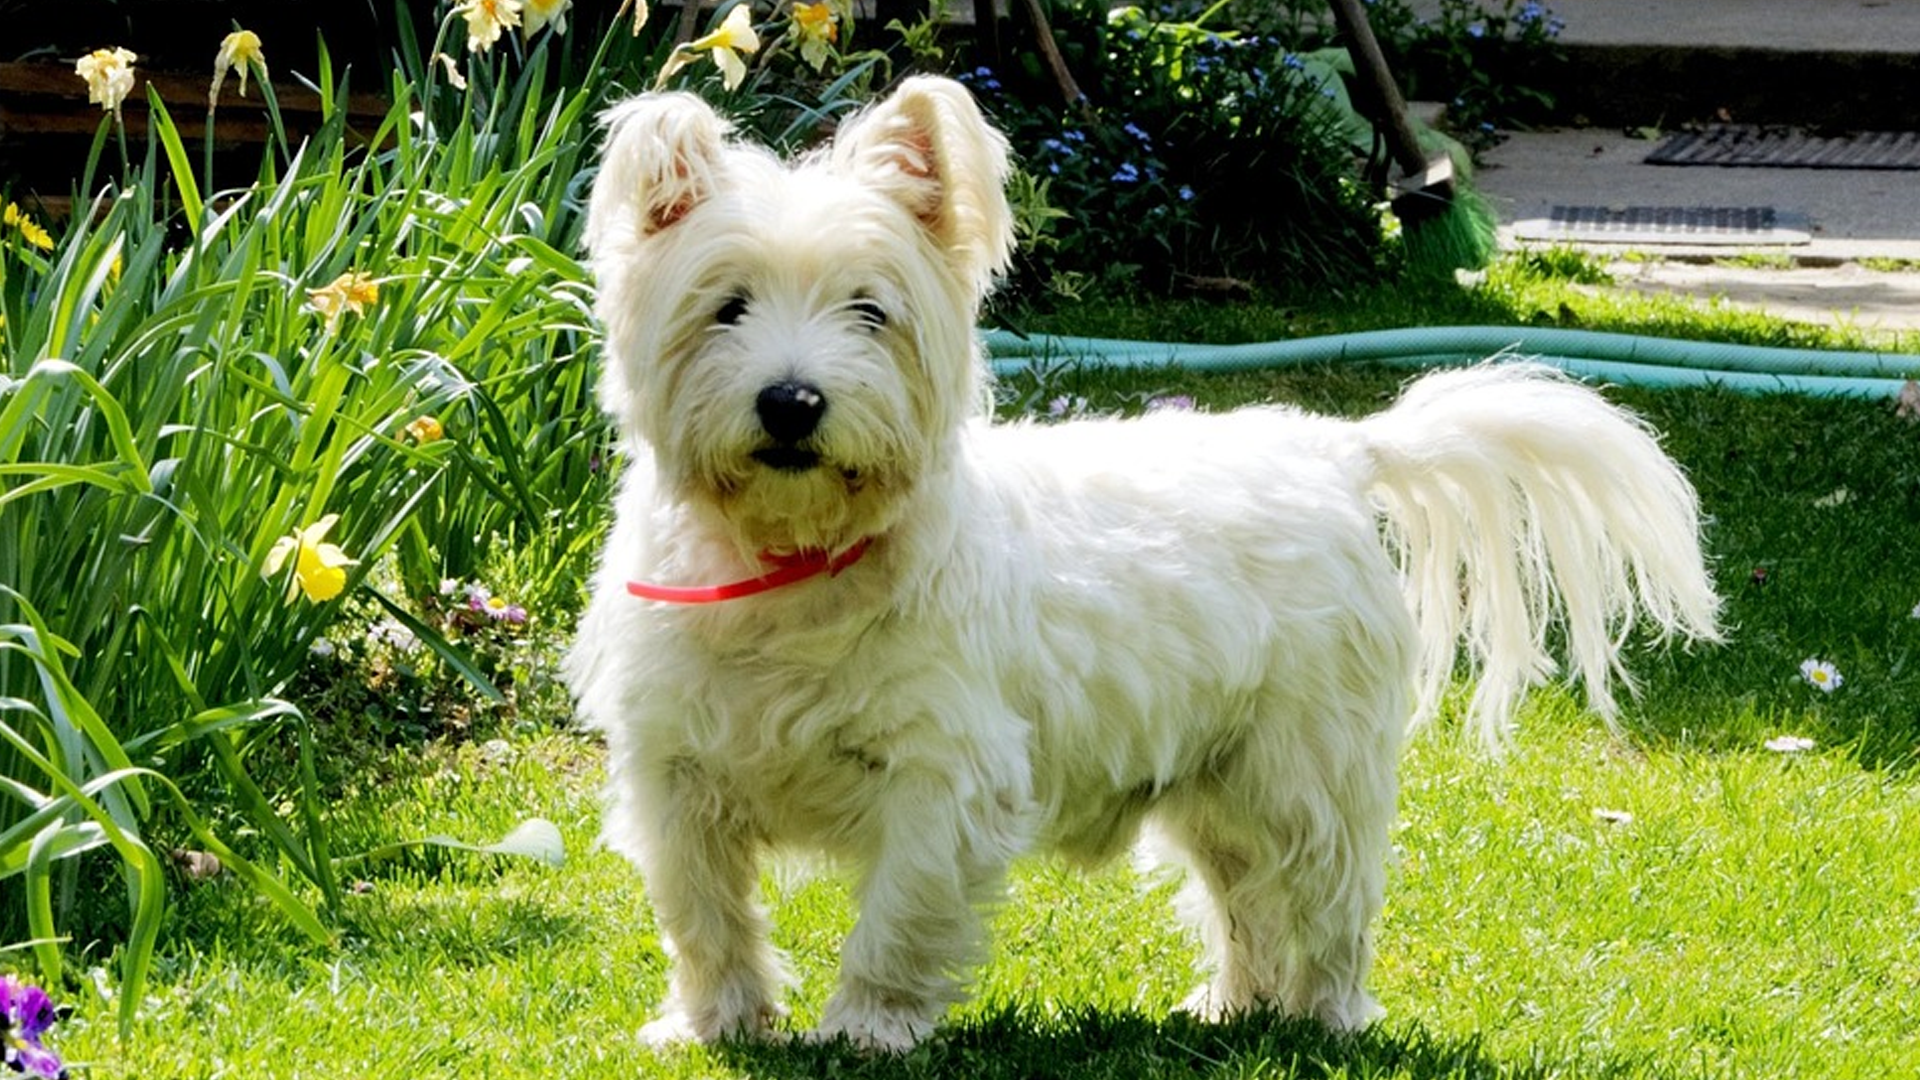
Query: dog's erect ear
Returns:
{"type": "Point", "coordinates": [929, 148]}
{"type": "Point", "coordinates": [658, 163]}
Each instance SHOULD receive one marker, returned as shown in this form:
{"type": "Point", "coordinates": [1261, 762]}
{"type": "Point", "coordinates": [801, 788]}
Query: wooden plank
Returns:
{"type": "Point", "coordinates": [30, 88]}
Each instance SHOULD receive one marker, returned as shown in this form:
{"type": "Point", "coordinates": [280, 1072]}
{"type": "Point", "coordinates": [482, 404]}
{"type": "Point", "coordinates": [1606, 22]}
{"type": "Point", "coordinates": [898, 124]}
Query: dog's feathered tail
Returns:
{"type": "Point", "coordinates": [1518, 499]}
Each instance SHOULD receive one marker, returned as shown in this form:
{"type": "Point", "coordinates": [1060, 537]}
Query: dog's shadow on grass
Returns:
{"type": "Point", "coordinates": [1090, 1044]}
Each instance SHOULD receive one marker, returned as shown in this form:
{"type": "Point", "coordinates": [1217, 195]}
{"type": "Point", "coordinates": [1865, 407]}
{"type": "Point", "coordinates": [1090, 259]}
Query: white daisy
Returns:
{"type": "Point", "coordinates": [1821, 674]}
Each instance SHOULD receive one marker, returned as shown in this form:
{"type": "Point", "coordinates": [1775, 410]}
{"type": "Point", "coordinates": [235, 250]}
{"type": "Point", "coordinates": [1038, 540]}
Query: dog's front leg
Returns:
{"type": "Point", "coordinates": [937, 859]}
{"type": "Point", "coordinates": [699, 862]}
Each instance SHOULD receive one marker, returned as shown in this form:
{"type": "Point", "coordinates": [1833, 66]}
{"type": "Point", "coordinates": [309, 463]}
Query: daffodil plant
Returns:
{"type": "Point", "coordinates": [240, 53]}
{"type": "Point", "coordinates": [724, 45]}
{"type": "Point", "coordinates": [223, 428]}
{"type": "Point", "coordinates": [319, 568]}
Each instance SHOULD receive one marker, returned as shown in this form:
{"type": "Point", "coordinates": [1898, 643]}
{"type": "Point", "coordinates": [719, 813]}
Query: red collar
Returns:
{"type": "Point", "coordinates": [786, 570]}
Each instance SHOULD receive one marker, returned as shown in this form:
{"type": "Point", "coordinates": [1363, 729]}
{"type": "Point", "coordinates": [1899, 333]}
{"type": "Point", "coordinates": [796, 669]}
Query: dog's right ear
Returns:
{"type": "Point", "coordinates": [658, 162]}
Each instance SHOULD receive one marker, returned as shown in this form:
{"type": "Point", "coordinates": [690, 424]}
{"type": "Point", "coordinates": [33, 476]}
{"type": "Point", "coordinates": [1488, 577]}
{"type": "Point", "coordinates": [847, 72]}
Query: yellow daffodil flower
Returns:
{"type": "Point", "coordinates": [487, 19]}
{"type": "Point", "coordinates": [817, 29]}
{"type": "Point", "coordinates": [425, 429]}
{"type": "Point", "coordinates": [734, 36]}
{"type": "Point", "coordinates": [29, 229]}
{"type": "Point", "coordinates": [109, 75]}
{"type": "Point", "coordinates": [535, 14]}
{"type": "Point", "coordinates": [350, 292]}
{"type": "Point", "coordinates": [239, 51]}
{"type": "Point", "coordinates": [319, 568]}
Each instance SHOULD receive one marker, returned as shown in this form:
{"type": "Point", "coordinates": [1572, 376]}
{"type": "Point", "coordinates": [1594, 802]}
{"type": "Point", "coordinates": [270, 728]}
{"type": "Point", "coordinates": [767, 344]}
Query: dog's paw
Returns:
{"type": "Point", "coordinates": [1350, 1011]}
{"type": "Point", "coordinates": [670, 1031]}
{"type": "Point", "coordinates": [678, 1026]}
{"type": "Point", "coordinates": [873, 1028]}
{"type": "Point", "coordinates": [1206, 1003]}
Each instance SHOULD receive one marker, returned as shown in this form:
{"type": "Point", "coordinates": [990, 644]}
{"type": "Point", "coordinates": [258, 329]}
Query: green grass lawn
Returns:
{"type": "Point", "coordinates": [1586, 906]}
{"type": "Point", "coordinates": [1669, 899]}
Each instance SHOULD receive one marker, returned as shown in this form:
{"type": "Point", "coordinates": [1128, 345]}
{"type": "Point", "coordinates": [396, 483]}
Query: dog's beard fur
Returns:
{"type": "Point", "coordinates": [1061, 635]}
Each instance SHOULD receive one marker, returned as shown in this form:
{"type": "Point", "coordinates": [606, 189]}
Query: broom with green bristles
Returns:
{"type": "Point", "coordinates": [1445, 224]}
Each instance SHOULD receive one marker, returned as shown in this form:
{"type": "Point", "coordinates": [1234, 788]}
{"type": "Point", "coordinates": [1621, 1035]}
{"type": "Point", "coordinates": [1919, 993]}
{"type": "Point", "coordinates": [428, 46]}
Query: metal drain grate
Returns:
{"type": "Point", "coordinates": [1705, 225]}
{"type": "Point", "coordinates": [1750, 146]}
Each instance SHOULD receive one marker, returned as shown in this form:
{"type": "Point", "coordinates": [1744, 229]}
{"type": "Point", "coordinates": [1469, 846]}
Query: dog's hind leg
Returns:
{"type": "Point", "coordinates": [702, 877]}
{"type": "Point", "coordinates": [1286, 875]}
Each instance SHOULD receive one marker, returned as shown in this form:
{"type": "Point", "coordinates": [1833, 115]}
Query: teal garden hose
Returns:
{"type": "Point", "coordinates": [1623, 359]}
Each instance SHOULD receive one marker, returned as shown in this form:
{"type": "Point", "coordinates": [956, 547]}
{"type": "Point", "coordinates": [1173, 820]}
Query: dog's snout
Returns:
{"type": "Point", "coordinates": [790, 411]}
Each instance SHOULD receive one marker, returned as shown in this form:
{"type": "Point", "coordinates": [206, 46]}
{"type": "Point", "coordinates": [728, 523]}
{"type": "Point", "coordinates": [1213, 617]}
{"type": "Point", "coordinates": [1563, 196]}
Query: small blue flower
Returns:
{"type": "Point", "coordinates": [1185, 193]}
{"type": "Point", "coordinates": [1530, 12]}
{"type": "Point", "coordinates": [1076, 135]}
{"type": "Point", "coordinates": [1139, 136]}
{"type": "Point", "coordinates": [1476, 30]}
{"type": "Point", "coordinates": [1292, 62]}
{"type": "Point", "coordinates": [1128, 173]}
{"type": "Point", "coordinates": [983, 78]}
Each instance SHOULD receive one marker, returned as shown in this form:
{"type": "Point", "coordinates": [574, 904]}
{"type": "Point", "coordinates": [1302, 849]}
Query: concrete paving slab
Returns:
{"type": "Point", "coordinates": [1827, 66]}
{"type": "Point", "coordinates": [1850, 213]}
{"type": "Point", "coordinates": [1875, 302]}
{"type": "Point", "coordinates": [1868, 26]}
{"type": "Point", "coordinates": [1850, 216]}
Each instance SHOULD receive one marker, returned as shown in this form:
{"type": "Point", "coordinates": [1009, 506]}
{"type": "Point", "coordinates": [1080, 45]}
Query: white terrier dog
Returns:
{"type": "Point", "coordinates": [936, 643]}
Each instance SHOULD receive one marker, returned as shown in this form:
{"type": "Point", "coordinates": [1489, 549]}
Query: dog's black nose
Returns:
{"type": "Point", "coordinates": [790, 411]}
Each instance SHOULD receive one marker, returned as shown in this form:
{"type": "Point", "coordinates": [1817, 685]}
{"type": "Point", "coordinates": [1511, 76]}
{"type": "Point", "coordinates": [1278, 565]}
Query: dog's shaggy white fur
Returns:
{"type": "Point", "coordinates": [1217, 627]}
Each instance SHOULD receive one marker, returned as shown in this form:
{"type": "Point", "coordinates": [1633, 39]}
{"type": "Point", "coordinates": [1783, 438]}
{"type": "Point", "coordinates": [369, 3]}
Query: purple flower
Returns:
{"type": "Point", "coordinates": [28, 1015]}
{"type": "Point", "coordinates": [480, 600]}
{"type": "Point", "coordinates": [1170, 403]}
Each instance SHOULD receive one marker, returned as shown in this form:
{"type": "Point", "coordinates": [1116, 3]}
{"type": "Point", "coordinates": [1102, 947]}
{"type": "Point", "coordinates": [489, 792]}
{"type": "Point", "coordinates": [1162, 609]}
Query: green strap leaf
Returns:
{"type": "Point", "coordinates": [535, 838]}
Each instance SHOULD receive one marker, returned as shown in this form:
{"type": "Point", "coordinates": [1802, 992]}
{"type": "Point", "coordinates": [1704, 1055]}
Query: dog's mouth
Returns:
{"type": "Point", "coordinates": [787, 459]}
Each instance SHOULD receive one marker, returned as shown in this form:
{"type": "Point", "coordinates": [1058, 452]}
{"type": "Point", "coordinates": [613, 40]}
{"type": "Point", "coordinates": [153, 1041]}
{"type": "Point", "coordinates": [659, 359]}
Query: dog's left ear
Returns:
{"type": "Point", "coordinates": [928, 146]}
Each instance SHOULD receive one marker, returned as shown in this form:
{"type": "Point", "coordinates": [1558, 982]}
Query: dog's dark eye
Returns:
{"type": "Point", "coordinates": [731, 312]}
{"type": "Point", "coordinates": [870, 313]}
